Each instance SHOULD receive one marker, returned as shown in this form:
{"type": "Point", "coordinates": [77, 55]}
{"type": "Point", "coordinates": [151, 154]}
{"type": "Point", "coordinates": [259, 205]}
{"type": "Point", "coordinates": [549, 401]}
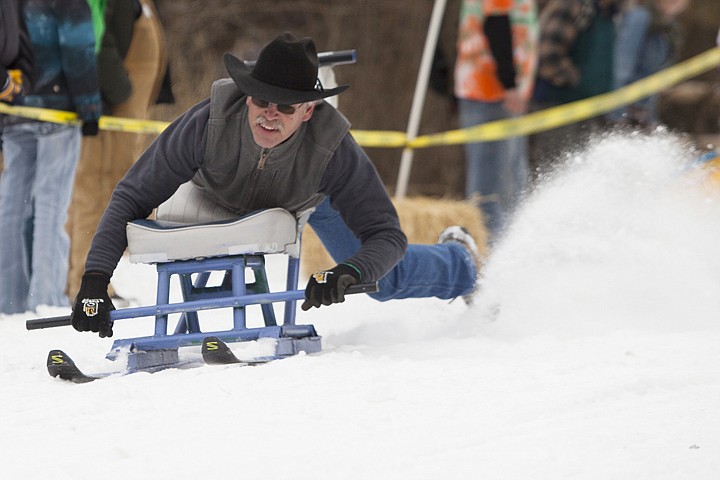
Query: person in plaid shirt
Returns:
{"type": "Point", "coordinates": [575, 61]}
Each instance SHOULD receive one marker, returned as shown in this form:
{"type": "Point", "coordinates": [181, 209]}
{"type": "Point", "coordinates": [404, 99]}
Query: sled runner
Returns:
{"type": "Point", "coordinates": [194, 239]}
{"type": "Point", "coordinates": [214, 352]}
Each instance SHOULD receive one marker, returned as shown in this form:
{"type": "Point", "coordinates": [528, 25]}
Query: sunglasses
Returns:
{"type": "Point", "coordinates": [286, 109]}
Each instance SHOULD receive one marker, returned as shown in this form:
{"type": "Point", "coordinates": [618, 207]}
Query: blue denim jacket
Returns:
{"type": "Point", "coordinates": [63, 40]}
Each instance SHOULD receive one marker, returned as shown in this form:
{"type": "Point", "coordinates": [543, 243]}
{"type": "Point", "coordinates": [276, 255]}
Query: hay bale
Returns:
{"type": "Point", "coordinates": [313, 256]}
{"type": "Point", "coordinates": [422, 219]}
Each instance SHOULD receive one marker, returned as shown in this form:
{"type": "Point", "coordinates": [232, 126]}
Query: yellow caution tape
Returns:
{"type": "Point", "coordinates": [117, 124]}
{"type": "Point", "coordinates": [497, 130]}
{"type": "Point", "coordinates": [132, 125]}
{"type": "Point", "coordinates": [43, 114]}
{"type": "Point", "coordinates": [377, 138]}
{"type": "Point", "coordinates": [575, 111]}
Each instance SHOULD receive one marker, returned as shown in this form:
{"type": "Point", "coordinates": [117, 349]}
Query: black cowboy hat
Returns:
{"type": "Point", "coordinates": [286, 72]}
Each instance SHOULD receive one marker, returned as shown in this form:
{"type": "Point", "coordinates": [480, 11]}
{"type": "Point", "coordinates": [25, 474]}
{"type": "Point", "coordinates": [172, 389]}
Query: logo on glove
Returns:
{"type": "Point", "coordinates": [91, 306]}
{"type": "Point", "coordinates": [321, 277]}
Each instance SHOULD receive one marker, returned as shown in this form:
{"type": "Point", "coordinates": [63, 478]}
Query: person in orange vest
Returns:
{"type": "Point", "coordinates": [494, 76]}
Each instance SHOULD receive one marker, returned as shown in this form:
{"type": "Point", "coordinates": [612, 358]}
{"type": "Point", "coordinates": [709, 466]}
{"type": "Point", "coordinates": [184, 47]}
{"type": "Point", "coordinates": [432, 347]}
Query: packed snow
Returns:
{"type": "Point", "coordinates": [592, 352]}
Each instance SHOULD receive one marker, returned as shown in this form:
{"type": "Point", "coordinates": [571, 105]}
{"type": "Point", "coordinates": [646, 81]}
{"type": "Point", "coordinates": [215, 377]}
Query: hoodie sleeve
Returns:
{"type": "Point", "coordinates": [357, 193]}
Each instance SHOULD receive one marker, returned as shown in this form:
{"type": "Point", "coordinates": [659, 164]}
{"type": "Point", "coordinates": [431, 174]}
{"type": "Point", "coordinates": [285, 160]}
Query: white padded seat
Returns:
{"type": "Point", "coordinates": [274, 230]}
{"type": "Point", "coordinates": [191, 204]}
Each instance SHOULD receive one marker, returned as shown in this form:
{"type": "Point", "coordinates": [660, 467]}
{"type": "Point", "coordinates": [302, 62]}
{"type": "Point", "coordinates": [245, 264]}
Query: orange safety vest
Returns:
{"type": "Point", "coordinates": [475, 68]}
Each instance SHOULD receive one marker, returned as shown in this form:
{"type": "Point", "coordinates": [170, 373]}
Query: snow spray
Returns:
{"type": "Point", "coordinates": [623, 235]}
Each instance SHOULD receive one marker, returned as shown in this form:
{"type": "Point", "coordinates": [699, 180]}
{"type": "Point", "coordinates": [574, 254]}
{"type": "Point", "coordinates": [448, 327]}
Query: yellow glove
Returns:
{"type": "Point", "coordinates": [12, 87]}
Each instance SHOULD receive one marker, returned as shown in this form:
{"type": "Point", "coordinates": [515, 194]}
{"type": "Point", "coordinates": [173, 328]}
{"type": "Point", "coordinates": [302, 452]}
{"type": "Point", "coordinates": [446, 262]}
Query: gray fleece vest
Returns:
{"type": "Point", "coordinates": [242, 177]}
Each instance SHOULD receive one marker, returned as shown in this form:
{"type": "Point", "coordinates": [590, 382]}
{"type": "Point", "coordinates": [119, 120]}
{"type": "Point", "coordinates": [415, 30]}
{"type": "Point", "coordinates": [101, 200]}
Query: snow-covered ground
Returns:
{"type": "Point", "coordinates": [593, 352]}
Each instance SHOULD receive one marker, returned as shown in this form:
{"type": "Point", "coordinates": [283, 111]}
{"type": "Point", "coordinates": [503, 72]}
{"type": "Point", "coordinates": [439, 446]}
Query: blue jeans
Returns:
{"type": "Point", "coordinates": [35, 186]}
{"type": "Point", "coordinates": [441, 270]}
{"type": "Point", "coordinates": [497, 171]}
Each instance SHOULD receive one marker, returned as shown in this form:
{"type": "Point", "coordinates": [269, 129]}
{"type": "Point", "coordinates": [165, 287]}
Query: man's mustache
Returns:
{"type": "Point", "coordinates": [276, 124]}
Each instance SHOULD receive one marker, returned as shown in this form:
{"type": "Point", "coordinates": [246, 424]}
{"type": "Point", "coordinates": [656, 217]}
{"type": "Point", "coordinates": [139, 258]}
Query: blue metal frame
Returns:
{"type": "Point", "coordinates": [234, 292]}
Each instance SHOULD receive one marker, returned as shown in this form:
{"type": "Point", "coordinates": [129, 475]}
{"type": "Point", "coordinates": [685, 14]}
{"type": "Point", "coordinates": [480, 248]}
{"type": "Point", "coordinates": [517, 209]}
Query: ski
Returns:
{"type": "Point", "coordinates": [216, 352]}
{"type": "Point", "coordinates": [60, 365]}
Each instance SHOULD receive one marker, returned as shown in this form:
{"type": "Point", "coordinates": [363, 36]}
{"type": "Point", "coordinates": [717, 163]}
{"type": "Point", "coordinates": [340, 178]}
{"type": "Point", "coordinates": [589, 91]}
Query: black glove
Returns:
{"type": "Point", "coordinates": [91, 311]}
{"type": "Point", "coordinates": [325, 288]}
{"type": "Point", "coordinates": [90, 129]}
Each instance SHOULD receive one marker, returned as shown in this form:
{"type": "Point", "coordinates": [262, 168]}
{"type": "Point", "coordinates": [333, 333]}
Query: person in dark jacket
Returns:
{"type": "Point", "coordinates": [16, 56]}
{"type": "Point", "coordinates": [131, 66]}
{"type": "Point", "coordinates": [575, 61]}
{"type": "Point", "coordinates": [40, 157]}
{"type": "Point", "coordinates": [265, 138]}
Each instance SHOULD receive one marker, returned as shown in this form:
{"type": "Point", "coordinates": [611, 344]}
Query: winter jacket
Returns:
{"type": "Point", "coordinates": [61, 33]}
{"type": "Point", "coordinates": [120, 17]}
{"type": "Point", "coordinates": [320, 159]}
{"type": "Point", "coordinates": [496, 48]}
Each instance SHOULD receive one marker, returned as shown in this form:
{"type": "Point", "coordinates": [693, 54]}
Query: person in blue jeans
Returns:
{"type": "Point", "coordinates": [494, 75]}
{"type": "Point", "coordinates": [648, 40]}
{"type": "Point", "coordinates": [40, 157]}
{"type": "Point", "coordinates": [267, 139]}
